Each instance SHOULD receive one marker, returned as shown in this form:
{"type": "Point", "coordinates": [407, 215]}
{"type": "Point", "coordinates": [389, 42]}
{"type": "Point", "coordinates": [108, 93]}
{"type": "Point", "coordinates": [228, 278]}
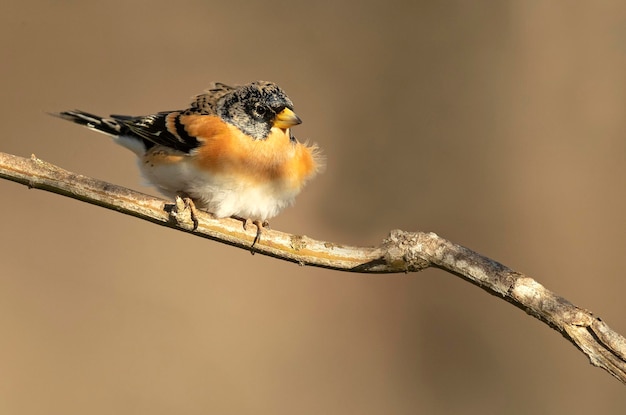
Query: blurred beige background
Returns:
{"type": "Point", "coordinates": [499, 125]}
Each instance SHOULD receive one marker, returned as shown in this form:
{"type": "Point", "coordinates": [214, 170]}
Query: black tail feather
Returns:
{"type": "Point", "coordinates": [95, 122]}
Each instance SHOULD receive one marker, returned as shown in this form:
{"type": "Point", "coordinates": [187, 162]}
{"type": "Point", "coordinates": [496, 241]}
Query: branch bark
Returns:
{"type": "Point", "coordinates": [400, 252]}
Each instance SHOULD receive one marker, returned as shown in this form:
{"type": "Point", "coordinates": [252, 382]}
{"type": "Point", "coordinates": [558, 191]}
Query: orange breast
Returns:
{"type": "Point", "coordinates": [228, 151]}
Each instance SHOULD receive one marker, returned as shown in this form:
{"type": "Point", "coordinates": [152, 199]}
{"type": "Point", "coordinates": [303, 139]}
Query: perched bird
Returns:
{"type": "Point", "coordinates": [231, 152]}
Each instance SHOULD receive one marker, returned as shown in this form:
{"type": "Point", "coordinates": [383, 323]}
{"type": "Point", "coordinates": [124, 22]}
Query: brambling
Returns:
{"type": "Point", "coordinates": [231, 152]}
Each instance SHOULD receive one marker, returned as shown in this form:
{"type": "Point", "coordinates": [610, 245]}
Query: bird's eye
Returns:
{"type": "Point", "coordinates": [260, 111]}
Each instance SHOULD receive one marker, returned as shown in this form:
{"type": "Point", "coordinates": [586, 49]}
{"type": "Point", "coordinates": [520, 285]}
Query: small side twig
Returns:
{"type": "Point", "coordinates": [400, 252]}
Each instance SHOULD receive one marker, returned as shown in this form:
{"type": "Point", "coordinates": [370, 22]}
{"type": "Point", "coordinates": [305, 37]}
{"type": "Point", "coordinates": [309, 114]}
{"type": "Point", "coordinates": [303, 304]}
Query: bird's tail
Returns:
{"type": "Point", "coordinates": [107, 126]}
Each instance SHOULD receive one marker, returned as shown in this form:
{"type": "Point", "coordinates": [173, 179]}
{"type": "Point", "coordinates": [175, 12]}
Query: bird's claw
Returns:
{"type": "Point", "coordinates": [260, 225]}
{"type": "Point", "coordinates": [184, 211]}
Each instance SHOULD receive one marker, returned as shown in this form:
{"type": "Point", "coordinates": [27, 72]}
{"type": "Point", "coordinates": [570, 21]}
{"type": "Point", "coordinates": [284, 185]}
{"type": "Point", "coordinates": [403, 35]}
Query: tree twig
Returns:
{"type": "Point", "coordinates": [399, 252]}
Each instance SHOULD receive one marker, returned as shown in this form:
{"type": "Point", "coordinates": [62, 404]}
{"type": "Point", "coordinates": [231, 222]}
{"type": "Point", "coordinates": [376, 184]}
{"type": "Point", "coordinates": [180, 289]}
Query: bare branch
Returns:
{"type": "Point", "coordinates": [399, 252]}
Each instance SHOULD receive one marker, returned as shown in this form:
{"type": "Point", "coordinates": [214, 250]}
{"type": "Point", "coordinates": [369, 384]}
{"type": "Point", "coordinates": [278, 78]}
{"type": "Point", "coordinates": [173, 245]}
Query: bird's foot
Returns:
{"type": "Point", "coordinates": [260, 225]}
{"type": "Point", "coordinates": [185, 211]}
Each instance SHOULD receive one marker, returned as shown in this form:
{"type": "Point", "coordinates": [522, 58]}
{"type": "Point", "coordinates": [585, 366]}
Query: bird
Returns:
{"type": "Point", "coordinates": [231, 153]}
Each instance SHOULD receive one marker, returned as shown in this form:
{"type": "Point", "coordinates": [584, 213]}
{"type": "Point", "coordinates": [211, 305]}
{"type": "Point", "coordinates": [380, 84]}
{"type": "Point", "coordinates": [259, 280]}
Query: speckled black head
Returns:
{"type": "Point", "coordinates": [254, 108]}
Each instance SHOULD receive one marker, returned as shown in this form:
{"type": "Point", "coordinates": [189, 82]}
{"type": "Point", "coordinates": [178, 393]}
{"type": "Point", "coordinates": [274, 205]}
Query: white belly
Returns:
{"type": "Point", "coordinates": [222, 195]}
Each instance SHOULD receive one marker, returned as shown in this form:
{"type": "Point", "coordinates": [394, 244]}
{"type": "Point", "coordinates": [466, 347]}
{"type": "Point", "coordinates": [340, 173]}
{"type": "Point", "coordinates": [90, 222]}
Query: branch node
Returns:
{"type": "Point", "coordinates": [402, 251]}
{"type": "Point", "coordinates": [297, 242]}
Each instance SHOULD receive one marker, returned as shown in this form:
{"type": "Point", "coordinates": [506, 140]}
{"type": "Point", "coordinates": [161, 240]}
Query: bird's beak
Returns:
{"type": "Point", "coordinates": [286, 118]}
